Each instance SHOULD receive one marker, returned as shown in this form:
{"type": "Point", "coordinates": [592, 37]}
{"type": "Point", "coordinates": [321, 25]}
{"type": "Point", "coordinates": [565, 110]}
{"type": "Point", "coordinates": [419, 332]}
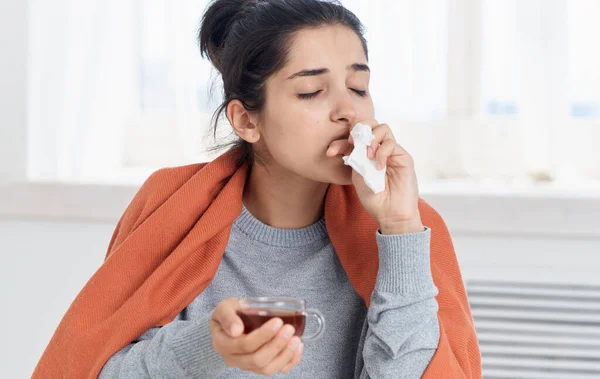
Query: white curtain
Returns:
{"type": "Point", "coordinates": [83, 87]}
{"type": "Point", "coordinates": [407, 43]}
{"type": "Point", "coordinates": [177, 102]}
{"type": "Point", "coordinates": [539, 65]}
{"type": "Point", "coordinates": [583, 20]}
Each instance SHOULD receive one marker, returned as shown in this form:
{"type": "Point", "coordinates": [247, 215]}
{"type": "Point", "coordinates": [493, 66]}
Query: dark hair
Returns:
{"type": "Point", "coordinates": [248, 41]}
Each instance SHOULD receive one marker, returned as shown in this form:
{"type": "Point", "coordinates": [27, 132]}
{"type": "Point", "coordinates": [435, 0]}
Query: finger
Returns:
{"type": "Point", "coordinates": [252, 342]}
{"type": "Point", "coordinates": [285, 358]}
{"type": "Point", "coordinates": [383, 152]}
{"type": "Point", "coordinates": [398, 157]}
{"type": "Point", "coordinates": [295, 360]}
{"type": "Point", "coordinates": [225, 315]}
{"type": "Point", "coordinates": [339, 147]}
{"type": "Point", "coordinates": [223, 343]}
{"type": "Point", "coordinates": [264, 356]}
{"type": "Point", "coordinates": [381, 133]}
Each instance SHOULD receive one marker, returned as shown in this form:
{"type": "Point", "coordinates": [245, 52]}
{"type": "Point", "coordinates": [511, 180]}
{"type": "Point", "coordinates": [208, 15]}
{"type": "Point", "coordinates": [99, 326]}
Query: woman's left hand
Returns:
{"type": "Point", "coordinates": [396, 209]}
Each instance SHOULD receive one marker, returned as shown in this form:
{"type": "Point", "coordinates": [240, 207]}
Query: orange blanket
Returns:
{"type": "Point", "coordinates": [167, 247]}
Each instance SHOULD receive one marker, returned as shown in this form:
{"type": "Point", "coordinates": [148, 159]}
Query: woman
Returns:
{"type": "Point", "coordinates": [278, 214]}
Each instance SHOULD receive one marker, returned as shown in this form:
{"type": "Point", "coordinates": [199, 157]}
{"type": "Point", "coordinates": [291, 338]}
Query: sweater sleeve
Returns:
{"type": "Point", "coordinates": [401, 331]}
{"type": "Point", "coordinates": [180, 349]}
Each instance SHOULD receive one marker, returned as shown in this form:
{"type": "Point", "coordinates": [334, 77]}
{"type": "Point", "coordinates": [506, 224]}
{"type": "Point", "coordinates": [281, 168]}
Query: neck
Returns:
{"type": "Point", "coordinates": [281, 200]}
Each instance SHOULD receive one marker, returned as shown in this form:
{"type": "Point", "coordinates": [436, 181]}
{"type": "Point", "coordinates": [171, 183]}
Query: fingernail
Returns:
{"type": "Point", "coordinates": [288, 332]}
{"type": "Point", "coordinates": [236, 329]}
{"type": "Point", "coordinates": [294, 344]}
{"type": "Point", "coordinates": [277, 324]}
{"type": "Point", "coordinates": [370, 151]}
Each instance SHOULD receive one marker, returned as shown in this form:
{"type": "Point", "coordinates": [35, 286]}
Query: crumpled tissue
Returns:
{"type": "Point", "coordinates": [360, 162]}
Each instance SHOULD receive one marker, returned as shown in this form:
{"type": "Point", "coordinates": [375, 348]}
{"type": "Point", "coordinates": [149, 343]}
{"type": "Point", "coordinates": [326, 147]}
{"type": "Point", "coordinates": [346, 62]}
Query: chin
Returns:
{"type": "Point", "coordinates": [341, 175]}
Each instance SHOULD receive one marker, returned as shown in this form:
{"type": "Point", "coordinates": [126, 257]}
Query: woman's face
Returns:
{"type": "Point", "coordinates": [315, 99]}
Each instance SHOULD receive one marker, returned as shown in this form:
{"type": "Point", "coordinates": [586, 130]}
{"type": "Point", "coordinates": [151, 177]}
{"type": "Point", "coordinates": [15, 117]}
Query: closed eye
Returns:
{"type": "Point", "coordinates": [308, 95]}
{"type": "Point", "coordinates": [359, 92]}
{"type": "Point", "coordinates": [314, 94]}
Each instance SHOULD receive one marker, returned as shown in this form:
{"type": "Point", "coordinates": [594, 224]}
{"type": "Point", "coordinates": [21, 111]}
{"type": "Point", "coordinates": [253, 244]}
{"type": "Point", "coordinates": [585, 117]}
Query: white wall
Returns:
{"type": "Point", "coordinates": [45, 265]}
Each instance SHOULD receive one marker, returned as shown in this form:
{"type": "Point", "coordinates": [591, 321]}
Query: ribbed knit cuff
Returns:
{"type": "Point", "coordinates": [404, 265]}
{"type": "Point", "coordinates": [194, 350]}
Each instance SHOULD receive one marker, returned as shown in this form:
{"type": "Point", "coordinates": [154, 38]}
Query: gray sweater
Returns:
{"type": "Point", "coordinates": [395, 338]}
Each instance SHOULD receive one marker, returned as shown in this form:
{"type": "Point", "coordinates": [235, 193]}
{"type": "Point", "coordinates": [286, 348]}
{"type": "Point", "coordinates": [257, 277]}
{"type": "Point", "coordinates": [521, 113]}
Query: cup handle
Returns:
{"type": "Point", "coordinates": [320, 319]}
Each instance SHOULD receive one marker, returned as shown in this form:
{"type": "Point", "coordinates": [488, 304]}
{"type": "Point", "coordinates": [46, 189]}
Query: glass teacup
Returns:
{"type": "Point", "coordinates": [254, 312]}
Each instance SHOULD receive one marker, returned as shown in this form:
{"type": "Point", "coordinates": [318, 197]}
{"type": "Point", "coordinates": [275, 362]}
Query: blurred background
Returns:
{"type": "Point", "coordinates": [498, 101]}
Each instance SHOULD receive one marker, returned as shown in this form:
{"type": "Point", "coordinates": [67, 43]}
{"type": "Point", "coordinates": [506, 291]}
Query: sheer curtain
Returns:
{"type": "Point", "coordinates": [540, 89]}
{"type": "Point", "coordinates": [583, 89]}
{"type": "Point", "coordinates": [179, 89]}
{"type": "Point", "coordinates": [83, 87]}
{"type": "Point", "coordinates": [408, 56]}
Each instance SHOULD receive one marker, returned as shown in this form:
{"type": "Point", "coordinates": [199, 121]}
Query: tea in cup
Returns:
{"type": "Point", "coordinates": [254, 312]}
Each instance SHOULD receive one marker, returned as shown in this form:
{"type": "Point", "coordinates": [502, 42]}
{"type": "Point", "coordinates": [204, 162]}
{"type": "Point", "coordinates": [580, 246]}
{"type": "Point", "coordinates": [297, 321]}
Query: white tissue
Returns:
{"type": "Point", "coordinates": [360, 162]}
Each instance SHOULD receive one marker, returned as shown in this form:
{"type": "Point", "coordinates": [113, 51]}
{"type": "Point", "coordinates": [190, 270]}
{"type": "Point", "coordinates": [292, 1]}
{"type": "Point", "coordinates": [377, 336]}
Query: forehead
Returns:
{"type": "Point", "coordinates": [332, 46]}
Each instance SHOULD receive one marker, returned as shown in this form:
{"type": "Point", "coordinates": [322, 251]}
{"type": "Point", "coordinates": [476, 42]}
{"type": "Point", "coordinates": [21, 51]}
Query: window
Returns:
{"type": "Point", "coordinates": [540, 88]}
{"type": "Point", "coordinates": [481, 90]}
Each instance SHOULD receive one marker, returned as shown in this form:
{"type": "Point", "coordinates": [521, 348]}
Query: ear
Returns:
{"type": "Point", "coordinates": [243, 122]}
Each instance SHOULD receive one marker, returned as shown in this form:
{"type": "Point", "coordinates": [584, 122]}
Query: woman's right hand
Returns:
{"type": "Point", "coordinates": [268, 350]}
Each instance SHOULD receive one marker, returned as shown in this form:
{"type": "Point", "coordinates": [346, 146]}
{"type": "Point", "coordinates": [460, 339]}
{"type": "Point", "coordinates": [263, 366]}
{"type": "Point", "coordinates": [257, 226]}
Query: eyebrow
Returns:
{"type": "Point", "coordinates": [320, 71]}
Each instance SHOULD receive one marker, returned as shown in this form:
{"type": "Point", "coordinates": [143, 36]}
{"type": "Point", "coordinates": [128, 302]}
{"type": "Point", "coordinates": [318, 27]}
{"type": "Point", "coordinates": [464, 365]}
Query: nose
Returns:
{"type": "Point", "coordinates": [345, 110]}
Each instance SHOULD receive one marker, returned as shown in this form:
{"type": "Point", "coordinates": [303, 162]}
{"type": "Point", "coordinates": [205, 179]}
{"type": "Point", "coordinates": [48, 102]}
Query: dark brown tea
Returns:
{"type": "Point", "coordinates": [254, 318]}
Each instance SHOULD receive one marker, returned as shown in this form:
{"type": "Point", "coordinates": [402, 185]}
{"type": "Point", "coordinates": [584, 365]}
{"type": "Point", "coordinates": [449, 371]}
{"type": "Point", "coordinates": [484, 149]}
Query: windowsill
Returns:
{"type": "Point", "coordinates": [64, 201]}
{"type": "Point", "coordinates": [467, 209]}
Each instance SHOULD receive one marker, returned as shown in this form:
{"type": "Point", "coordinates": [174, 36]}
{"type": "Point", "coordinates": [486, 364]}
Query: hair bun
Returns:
{"type": "Point", "coordinates": [216, 24]}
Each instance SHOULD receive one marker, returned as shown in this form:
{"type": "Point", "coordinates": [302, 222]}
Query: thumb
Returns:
{"type": "Point", "coordinates": [225, 315]}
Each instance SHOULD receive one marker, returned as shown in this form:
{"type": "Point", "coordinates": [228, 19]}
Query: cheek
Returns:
{"type": "Point", "coordinates": [302, 127]}
{"type": "Point", "coordinates": [285, 137]}
{"type": "Point", "coordinates": [300, 146]}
